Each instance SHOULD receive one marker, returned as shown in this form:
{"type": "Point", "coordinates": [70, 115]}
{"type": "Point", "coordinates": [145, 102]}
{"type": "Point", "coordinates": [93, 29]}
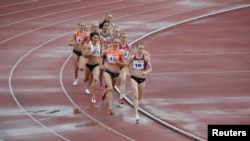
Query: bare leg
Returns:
{"type": "Point", "coordinates": [122, 86]}
{"type": "Point", "coordinates": [75, 59]}
{"type": "Point", "coordinates": [109, 91]}
{"type": "Point", "coordinates": [95, 74]}
{"type": "Point", "coordinates": [134, 87]}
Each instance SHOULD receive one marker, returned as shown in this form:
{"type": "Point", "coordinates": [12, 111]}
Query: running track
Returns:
{"type": "Point", "coordinates": [201, 71]}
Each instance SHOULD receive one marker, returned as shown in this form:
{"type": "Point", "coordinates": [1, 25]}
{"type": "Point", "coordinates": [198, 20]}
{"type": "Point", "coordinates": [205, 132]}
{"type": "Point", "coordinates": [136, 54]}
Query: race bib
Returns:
{"type": "Point", "coordinates": [79, 40]}
{"type": "Point", "coordinates": [111, 58]}
{"type": "Point", "coordinates": [96, 52]}
{"type": "Point", "coordinates": [125, 54]}
{"type": "Point", "coordinates": [138, 65]}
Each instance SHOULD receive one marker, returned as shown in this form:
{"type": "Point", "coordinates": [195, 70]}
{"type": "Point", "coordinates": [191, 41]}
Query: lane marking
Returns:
{"type": "Point", "coordinates": [34, 119]}
{"type": "Point", "coordinates": [13, 37]}
{"type": "Point", "coordinates": [34, 8]}
{"type": "Point", "coordinates": [158, 30]}
{"type": "Point", "coordinates": [16, 100]}
{"type": "Point", "coordinates": [19, 3]}
{"type": "Point", "coordinates": [41, 16]}
{"type": "Point", "coordinates": [89, 116]}
{"type": "Point", "coordinates": [12, 90]}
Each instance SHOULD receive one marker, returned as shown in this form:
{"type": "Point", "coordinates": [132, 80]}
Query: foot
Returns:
{"type": "Point", "coordinates": [137, 118]}
{"type": "Point", "coordinates": [93, 100]}
{"type": "Point", "coordinates": [75, 82]}
{"type": "Point", "coordinates": [121, 101]}
{"type": "Point", "coordinates": [110, 112]}
{"type": "Point", "coordinates": [87, 91]}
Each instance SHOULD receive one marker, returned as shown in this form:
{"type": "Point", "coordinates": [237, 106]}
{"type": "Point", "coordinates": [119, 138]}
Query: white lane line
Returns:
{"type": "Point", "coordinates": [19, 3]}
{"type": "Point", "coordinates": [89, 116]}
{"type": "Point", "coordinates": [188, 20]}
{"type": "Point", "coordinates": [60, 12]}
{"type": "Point", "coordinates": [13, 94]}
{"type": "Point", "coordinates": [34, 8]}
{"type": "Point", "coordinates": [35, 29]}
{"type": "Point", "coordinates": [163, 28]}
{"type": "Point", "coordinates": [22, 108]}
{"type": "Point", "coordinates": [65, 92]}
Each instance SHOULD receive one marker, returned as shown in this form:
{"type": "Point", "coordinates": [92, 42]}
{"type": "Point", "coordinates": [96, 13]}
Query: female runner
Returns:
{"type": "Point", "coordinates": [106, 37]}
{"type": "Point", "coordinates": [112, 69]}
{"type": "Point", "coordinates": [125, 49]}
{"type": "Point", "coordinates": [92, 51]}
{"type": "Point", "coordinates": [141, 66]}
{"type": "Point", "coordinates": [77, 40]}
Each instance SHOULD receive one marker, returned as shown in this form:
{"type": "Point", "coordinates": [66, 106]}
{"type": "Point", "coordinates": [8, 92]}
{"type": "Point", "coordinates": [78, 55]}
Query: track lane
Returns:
{"type": "Point", "coordinates": [197, 76]}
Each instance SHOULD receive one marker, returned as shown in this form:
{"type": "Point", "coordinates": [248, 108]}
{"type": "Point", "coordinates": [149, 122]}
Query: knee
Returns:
{"type": "Point", "coordinates": [136, 97]}
{"type": "Point", "coordinates": [95, 80]}
{"type": "Point", "coordinates": [109, 90]}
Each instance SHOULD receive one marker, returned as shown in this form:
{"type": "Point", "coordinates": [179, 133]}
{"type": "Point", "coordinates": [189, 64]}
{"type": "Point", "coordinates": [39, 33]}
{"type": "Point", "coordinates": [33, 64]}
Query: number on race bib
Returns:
{"type": "Point", "coordinates": [96, 52]}
{"type": "Point", "coordinates": [137, 65]}
{"type": "Point", "coordinates": [112, 58]}
{"type": "Point", "coordinates": [125, 54]}
{"type": "Point", "coordinates": [79, 40]}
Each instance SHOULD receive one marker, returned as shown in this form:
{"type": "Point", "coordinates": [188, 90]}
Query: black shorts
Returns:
{"type": "Point", "coordinates": [91, 67]}
{"type": "Point", "coordinates": [112, 74]}
{"type": "Point", "coordinates": [77, 52]}
{"type": "Point", "coordinates": [138, 80]}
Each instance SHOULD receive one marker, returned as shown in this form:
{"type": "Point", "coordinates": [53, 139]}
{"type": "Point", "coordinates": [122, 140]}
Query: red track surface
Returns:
{"type": "Point", "coordinates": [201, 72]}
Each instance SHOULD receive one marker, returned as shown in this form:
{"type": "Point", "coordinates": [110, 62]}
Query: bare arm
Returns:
{"type": "Point", "coordinates": [72, 40]}
{"type": "Point", "coordinates": [101, 59]}
{"type": "Point", "coordinates": [149, 67]}
{"type": "Point", "coordinates": [128, 63]}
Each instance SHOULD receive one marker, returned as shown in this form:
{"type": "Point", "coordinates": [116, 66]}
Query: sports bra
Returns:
{"type": "Point", "coordinates": [80, 36]}
{"type": "Point", "coordinates": [112, 56]}
{"type": "Point", "coordinates": [125, 50]}
{"type": "Point", "coordinates": [97, 49]}
{"type": "Point", "coordinates": [139, 64]}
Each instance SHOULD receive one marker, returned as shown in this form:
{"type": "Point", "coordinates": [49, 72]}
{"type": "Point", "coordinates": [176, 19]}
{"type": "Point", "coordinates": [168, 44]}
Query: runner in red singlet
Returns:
{"type": "Point", "coordinates": [125, 50]}
{"type": "Point", "coordinates": [112, 69]}
{"type": "Point", "coordinates": [77, 40]}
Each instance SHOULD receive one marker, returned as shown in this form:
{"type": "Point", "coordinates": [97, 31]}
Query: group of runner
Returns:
{"type": "Point", "coordinates": [102, 52]}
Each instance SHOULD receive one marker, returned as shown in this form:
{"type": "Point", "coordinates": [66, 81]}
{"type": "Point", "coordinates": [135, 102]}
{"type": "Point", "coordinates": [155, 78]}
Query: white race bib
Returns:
{"type": "Point", "coordinates": [79, 40]}
{"type": "Point", "coordinates": [138, 65]}
{"type": "Point", "coordinates": [111, 58]}
{"type": "Point", "coordinates": [97, 52]}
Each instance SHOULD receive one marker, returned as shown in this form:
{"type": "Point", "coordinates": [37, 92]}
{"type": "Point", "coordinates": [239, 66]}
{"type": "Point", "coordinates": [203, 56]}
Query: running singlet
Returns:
{"type": "Point", "coordinates": [95, 51]}
{"type": "Point", "coordinates": [139, 64]}
{"type": "Point", "coordinates": [107, 38]}
{"type": "Point", "coordinates": [80, 36]}
{"type": "Point", "coordinates": [112, 56]}
{"type": "Point", "coordinates": [124, 50]}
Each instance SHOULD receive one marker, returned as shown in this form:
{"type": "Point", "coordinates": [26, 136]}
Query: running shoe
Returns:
{"type": "Point", "coordinates": [137, 118]}
{"type": "Point", "coordinates": [75, 82]}
{"type": "Point", "coordinates": [93, 100]}
{"type": "Point", "coordinates": [87, 91]}
{"type": "Point", "coordinates": [121, 101]}
{"type": "Point", "coordinates": [110, 112]}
